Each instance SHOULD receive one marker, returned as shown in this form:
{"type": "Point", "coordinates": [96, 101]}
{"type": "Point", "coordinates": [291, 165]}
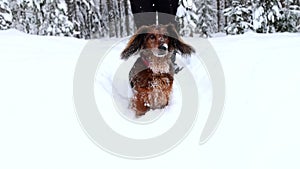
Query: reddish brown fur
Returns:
{"type": "Point", "coordinates": [145, 93]}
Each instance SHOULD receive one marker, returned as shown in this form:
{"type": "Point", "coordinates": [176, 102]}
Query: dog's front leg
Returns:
{"type": "Point", "coordinates": [139, 105]}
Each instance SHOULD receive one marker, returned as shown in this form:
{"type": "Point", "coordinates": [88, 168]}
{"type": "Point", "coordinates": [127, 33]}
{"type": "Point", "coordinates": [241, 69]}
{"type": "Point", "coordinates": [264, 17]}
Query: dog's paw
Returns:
{"type": "Point", "coordinates": [140, 113]}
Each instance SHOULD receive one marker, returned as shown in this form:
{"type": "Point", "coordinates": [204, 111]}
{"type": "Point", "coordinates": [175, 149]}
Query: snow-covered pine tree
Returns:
{"type": "Point", "coordinates": [26, 16]}
{"type": "Point", "coordinates": [100, 18]}
{"type": "Point", "coordinates": [55, 21]}
{"type": "Point", "coordinates": [207, 17]}
{"type": "Point", "coordinates": [15, 10]}
{"type": "Point", "coordinates": [37, 19]}
{"type": "Point", "coordinates": [22, 16]}
{"type": "Point", "coordinates": [295, 10]}
{"type": "Point", "coordinates": [266, 16]}
{"type": "Point", "coordinates": [290, 19]}
{"type": "Point", "coordinates": [220, 16]}
{"type": "Point", "coordinates": [238, 18]}
{"type": "Point", "coordinates": [41, 17]}
{"type": "Point", "coordinates": [114, 21]}
{"type": "Point", "coordinates": [93, 19]}
{"type": "Point", "coordinates": [5, 15]}
{"type": "Point", "coordinates": [187, 17]}
{"type": "Point", "coordinates": [77, 13]}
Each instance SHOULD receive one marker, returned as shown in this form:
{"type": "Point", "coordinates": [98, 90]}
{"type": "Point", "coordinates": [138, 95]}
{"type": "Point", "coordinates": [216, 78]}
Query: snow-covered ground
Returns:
{"type": "Point", "coordinates": [112, 80]}
{"type": "Point", "coordinates": [259, 129]}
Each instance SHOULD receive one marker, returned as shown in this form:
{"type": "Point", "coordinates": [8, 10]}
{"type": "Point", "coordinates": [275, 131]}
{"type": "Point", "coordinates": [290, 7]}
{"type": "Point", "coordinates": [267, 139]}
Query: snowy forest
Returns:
{"type": "Point", "coordinates": [90, 19]}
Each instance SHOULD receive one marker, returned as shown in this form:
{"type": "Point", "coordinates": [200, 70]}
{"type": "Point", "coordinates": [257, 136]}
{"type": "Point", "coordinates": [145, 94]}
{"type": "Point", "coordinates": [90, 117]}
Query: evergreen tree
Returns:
{"type": "Point", "coordinates": [238, 17]}
{"type": "Point", "coordinates": [23, 17]}
{"type": "Point", "coordinates": [55, 21]}
{"type": "Point", "coordinates": [267, 15]}
{"type": "Point", "coordinates": [5, 15]}
{"type": "Point", "coordinates": [110, 18]}
{"type": "Point", "coordinates": [220, 16]}
{"type": "Point", "coordinates": [100, 18]}
{"type": "Point", "coordinates": [290, 19]}
{"type": "Point", "coordinates": [78, 14]}
{"type": "Point", "coordinates": [207, 21]}
{"type": "Point", "coordinates": [37, 19]}
{"type": "Point", "coordinates": [187, 17]}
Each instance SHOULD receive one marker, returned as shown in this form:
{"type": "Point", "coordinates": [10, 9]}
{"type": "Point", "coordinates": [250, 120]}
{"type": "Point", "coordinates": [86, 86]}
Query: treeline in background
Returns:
{"type": "Point", "coordinates": [91, 19]}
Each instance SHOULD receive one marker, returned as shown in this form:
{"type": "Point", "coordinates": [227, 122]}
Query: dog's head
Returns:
{"type": "Point", "coordinates": [159, 39]}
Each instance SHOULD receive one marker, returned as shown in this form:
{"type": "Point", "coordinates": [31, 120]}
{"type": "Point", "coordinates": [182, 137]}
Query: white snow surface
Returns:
{"type": "Point", "coordinates": [259, 129]}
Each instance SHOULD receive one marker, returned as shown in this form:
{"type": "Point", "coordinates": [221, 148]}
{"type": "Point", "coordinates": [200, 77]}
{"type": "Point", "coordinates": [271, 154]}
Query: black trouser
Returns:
{"type": "Point", "coordinates": [145, 12]}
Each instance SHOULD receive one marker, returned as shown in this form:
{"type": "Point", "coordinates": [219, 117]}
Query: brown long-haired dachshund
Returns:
{"type": "Point", "coordinates": [152, 75]}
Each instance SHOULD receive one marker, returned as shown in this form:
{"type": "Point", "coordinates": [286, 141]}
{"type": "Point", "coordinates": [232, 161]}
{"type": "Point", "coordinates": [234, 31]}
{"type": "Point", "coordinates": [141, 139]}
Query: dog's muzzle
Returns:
{"type": "Point", "coordinates": [163, 47]}
{"type": "Point", "coordinates": [161, 51]}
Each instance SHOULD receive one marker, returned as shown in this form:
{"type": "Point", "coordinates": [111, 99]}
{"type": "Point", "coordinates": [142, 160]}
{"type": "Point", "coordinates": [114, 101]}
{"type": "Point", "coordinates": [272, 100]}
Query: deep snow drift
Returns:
{"type": "Point", "coordinates": [259, 128]}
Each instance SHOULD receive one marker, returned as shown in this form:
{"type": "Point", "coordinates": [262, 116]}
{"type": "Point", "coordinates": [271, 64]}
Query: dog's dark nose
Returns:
{"type": "Point", "coordinates": [163, 47]}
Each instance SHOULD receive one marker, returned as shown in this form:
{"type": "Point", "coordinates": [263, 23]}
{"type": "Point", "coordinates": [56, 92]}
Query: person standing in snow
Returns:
{"type": "Point", "coordinates": [145, 11]}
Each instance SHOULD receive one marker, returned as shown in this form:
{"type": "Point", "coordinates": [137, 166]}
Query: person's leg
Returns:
{"type": "Point", "coordinates": [144, 12]}
{"type": "Point", "coordinates": [167, 11]}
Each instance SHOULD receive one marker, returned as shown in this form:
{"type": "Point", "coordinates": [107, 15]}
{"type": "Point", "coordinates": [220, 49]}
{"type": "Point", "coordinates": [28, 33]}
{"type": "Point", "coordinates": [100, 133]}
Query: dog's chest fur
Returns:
{"type": "Point", "coordinates": [157, 64]}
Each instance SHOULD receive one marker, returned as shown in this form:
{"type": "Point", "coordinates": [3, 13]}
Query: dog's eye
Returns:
{"type": "Point", "coordinates": [152, 36]}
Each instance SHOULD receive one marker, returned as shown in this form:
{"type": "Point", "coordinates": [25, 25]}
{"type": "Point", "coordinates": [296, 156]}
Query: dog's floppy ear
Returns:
{"type": "Point", "coordinates": [177, 43]}
{"type": "Point", "coordinates": [135, 43]}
